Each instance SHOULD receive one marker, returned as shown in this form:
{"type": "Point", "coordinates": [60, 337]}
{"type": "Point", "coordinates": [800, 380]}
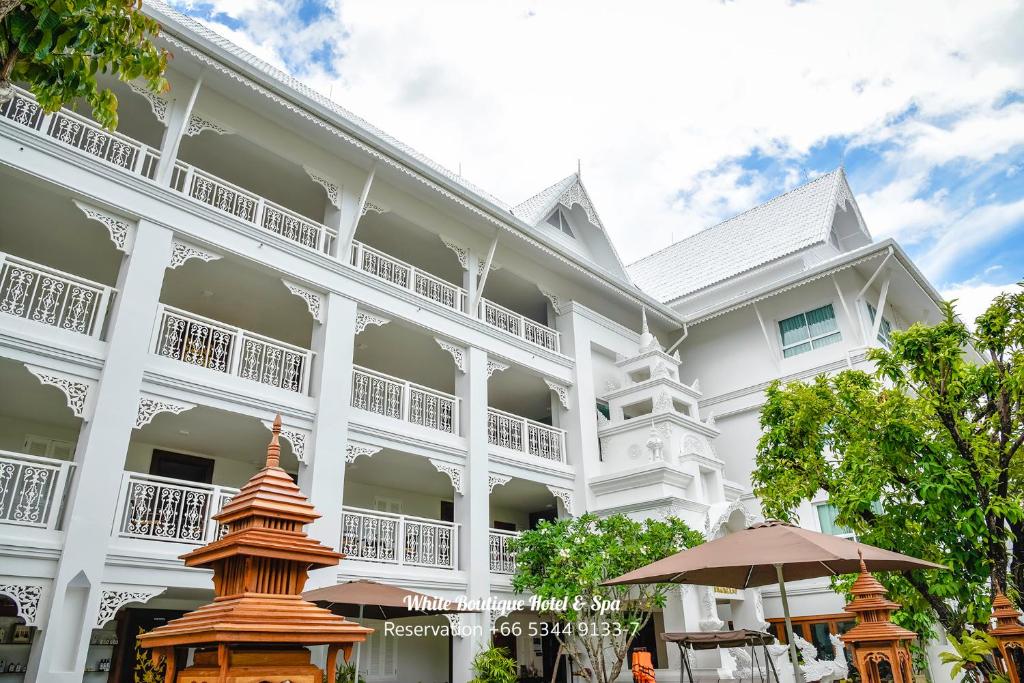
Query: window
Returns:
{"type": "Point", "coordinates": [558, 220]}
{"type": "Point", "coordinates": [827, 519]}
{"type": "Point", "coordinates": [884, 329]}
{"type": "Point", "coordinates": [392, 505]}
{"type": "Point", "coordinates": [49, 448]}
{"type": "Point", "coordinates": [180, 466]}
{"type": "Point", "coordinates": [379, 657]}
{"type": "Point", "coordinates": [810, 330]}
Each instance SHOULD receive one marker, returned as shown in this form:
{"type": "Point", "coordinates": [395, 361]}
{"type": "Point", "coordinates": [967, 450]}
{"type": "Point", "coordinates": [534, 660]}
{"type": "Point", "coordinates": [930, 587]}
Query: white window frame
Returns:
{"type": "Point", "coordinates": [883, 333]}
{"type": "Point", "coordinates": [563, 222]}
{"type": "Point", "coordinates": [392, 505]}
{"type": "Point", "coordinates": [373, 658]}
{"type": "Point", "coordinates": [49, 446]}
{"type": "Point", "coordinates": [809, 340]}
{"type": "Point", "coordinates": [817, 511]}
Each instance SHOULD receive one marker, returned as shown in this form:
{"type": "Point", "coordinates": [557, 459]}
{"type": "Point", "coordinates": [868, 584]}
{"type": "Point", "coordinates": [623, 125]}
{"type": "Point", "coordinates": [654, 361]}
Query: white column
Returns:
{"type": "Point", "coordinates": [323, 478]}
{"type": "Point", "coordinates": [582, 448]}
{"type": "Point", "coordinates": [178, 114]}
{"type": "Point", "coordinates": [472, 511]}
{"type": "Point", "coordinates": [58, 654]}
{"type": "Point", "coordinates": [469, 278]}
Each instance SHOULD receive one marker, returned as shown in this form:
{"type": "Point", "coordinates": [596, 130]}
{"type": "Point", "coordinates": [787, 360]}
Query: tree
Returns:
{"type": "Point", "coordinates": [921, 456]}
{"type": "Point", "coordinates": [568, 560]}
{"type": "Point", "coordinates": [59, 47]}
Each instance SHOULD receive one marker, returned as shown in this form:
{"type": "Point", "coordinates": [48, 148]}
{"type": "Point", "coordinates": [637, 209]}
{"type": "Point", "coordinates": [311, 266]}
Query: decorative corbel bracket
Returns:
{"type": "Point", "coordinates": [159, 102]}
{"type": "Point", "coordinates": [496, 480]}
{"type": "Point", "coordinates": [77, 390]}
{"type": "Point", "coordinates": [353, 450]}
{"type": "Point", "coordinates": [26, 597]}
{"type": "Point", "coordinates": [566, 496]}
{"type": "Point", "coordinates": [197, 124]}
{"type": "Point", "coordinates": [556, 301]}
{"type": "Point", "coordinates": [122, 231]}
{"type": "Point", "coordinates": [330, 187]}
{"type": "Point", "coordinates": [494, 366]}
{"type": "Point", "coordinates": [151, 406]}
{"type": "Point", "coordinates": [114, 598]}
{"type": "Point", "coordinates": [183, 251]}
{"type": "Point", "coordinates": [295, 436]}
{"type": "Point", "coordinates": [455, 625]}
{"type": "Point", "coordinates": [454, 472]}
{"type": "Point", "coordinates": [369, 206]}
{"type": "Point", "coordinates": [458, 353]}
{"type": "Point", "coordinates": [364, 320]}
{"type": "Point", "coordinates": [461, 252]}
{"type": "Point", "coordinates": [312, 299]}
{"type": "Point", "coordinates": [561, 391]}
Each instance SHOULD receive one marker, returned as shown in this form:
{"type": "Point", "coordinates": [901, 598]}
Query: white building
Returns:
{"type": "Point", "coordinates": [449, 369]}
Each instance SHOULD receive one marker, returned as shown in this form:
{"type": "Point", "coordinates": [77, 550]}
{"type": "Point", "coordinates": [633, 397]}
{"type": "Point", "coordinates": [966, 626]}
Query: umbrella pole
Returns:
{"type": "Point", "coordinates": [793, 657]}
{"type": "Point", "coordinates": [359, 646]}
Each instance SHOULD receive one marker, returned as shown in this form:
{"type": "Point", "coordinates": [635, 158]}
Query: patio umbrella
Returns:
{"type": "Point", "coordinates": [767, 553]}
{"type": "Point", "coordinates": [374, 600]}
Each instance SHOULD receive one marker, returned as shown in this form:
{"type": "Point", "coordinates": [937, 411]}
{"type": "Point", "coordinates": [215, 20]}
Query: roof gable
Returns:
{"type": "Point", "coordinates": [791, 222]}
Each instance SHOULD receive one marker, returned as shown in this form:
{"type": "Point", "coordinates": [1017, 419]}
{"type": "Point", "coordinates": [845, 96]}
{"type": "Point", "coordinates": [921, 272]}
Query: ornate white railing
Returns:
{"type": "Point", "coordinates": [81, 133]}
{"type": "Point", "coordinates": [394, 397]}
{"type": "Point", "coordinates": [407, 276]}
{"type": "Point", "coordinates": [163, 509]}
{"type": "Point", "coordinates": [52, 297]}
{"type": "Point", "coordinates": [398, 539]}
{"type": "Point", "coordinates": [518, 325]}
{"type": "Point", "coordinates": [503, 560]}
{"type": "Point", "coordinates": [196, 340]}
{"type": "Point", "coordinates": [251, 208]}
{"type": "Point", "coordinates": [520, 434]}
{"type": "Point", "coordinates": [32, 489]}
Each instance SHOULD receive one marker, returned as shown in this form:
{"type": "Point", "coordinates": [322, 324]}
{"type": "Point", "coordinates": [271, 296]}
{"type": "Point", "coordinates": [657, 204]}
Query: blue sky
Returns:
{"type": "Point", "coordinates": [683, 114]}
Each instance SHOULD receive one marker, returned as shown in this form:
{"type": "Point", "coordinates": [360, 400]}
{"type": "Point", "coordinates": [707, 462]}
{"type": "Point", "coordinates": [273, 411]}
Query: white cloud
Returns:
{"type": "Point", "coordinates": [660, 98]}
{"type": "Point", "coordinates": [974, 296]}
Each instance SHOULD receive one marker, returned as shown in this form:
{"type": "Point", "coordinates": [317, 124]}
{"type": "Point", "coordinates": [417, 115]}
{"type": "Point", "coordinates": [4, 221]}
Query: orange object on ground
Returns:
{"type": "Point", "coordinates": [643, 667]}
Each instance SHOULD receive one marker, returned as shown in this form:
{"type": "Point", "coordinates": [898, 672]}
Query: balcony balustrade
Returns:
{"type": "Point", "coordinates": [252, 208]}
{"type": "Point", "coordinates": [195, 340]}
{"type": "Point", "coordinates": [503, 560]}
{"type": "Point", "coordinates": [32, 489]}
{"type": "Point", "coordinates": [407, 276]}
{"type": "Point", "coordinates": [390, 396]}
{"type": "Point", "coordinates": [519, 325]}
{"type": "Point", "coordinates": [526, 436]}
{"type": "Point", "coordinates": [82, 133]}
{"type": "Point", "coordinates": [163, 509]}
{"type": "Point", "coordinates": [52, 297]}
{"type": "Point", "coordinates": [398, 539]}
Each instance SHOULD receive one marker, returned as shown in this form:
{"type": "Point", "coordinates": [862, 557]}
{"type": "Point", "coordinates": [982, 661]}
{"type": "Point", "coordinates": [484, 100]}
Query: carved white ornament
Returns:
{"type": "Point", "coordinates": [561, 391]}
{"type": "Point", "coordinates": [696, 383]}
{"type": "Point", "coordinates": [294, 436]}
{"type": "Point", "coordinates": [354, 450]}
{"type": "Point", "coordinates": [369, 206]}
{"type": "Point", "coordinates": [461, 252]}
{"type": "Point", "coordinates": [576, 195]}
{"type": "Point", "coordinates": [158, 102]}
{"type": "Point", "coordinates": [455, 624]}
{"type": "Point", "coordinates": [311, 298]}
{"type": "Point", "coordinates": [26, 597]}
{"type": "Point", "coordinates": [458, 353]}
{"type": "Point", "coordinates": [564, 495]}
{"type": "Point", "coordinates": [664, 403]}
{"type": "Point", "coordinates": [197, 124]}
{"type": "Point", "coordinates": [496, 480]}
{"type": "Point", "coordinates": [150, 407]}
{"type": "Point", "coordinates": [183, 251]}
{"type": "Point", "coordinates": [710, 422]}
{"type": "Point", "coordinates": [113, 600]}
{"type": "Point", "coordinates": [556, 301]}
{"type": "Point", "coordinates": [364, 320]}
{"type": "Point", "coordinates": [120, 229]}
{"type": "Point", "coordinates": [611, 385]}
{"type": "Point", "coordinates": [76, 389]}
{"type": "Point", "coordinates": [330, 187]}
{"type": "Point", "coordinates": [602, 420]}
{"type": "Point", "coordinates": [708, 609]}
{"type": "Point", "coordinates": [454, 472]}
{"type": "Point", "coordinates": [494, 366]}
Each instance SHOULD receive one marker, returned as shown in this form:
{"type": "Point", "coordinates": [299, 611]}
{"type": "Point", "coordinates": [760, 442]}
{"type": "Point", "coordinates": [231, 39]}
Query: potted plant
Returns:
{"type": "Point", "coordinates": [494, 665]}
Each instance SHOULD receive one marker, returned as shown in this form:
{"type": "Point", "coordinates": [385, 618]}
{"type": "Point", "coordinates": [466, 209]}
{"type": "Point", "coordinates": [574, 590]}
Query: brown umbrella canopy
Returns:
{"type": "Point", "coordinates": [747, 558]}
{"type": "Point", "coordinates": [378, 600]}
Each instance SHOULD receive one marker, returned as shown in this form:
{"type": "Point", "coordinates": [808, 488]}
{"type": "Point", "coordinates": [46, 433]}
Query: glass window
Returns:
{"type": "Point", "coordinates": [884, 329]}
{"type": "Point", "coordinates": [810, 330]}
{"type": "Point", "coordinates": [559, 221]}
{"type": "Point", "coordinates": [827, 514]}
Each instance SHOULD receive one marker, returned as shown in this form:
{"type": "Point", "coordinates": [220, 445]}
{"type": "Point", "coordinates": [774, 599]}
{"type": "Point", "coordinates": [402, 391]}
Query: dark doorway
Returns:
{"type": "Point", "coordinates": [550, 658]}
{"type": "Point", "coordinates": [130, 624]}
{"type": "Point", "coordinates": [504, 526]}
{"type": "Point", "coordinates": [647, 640]}
{"type": "Point", "coordinates": [180, 466]}
{"type": "Point", "coordinates": [549, 515]}
{"type": "Point", "coordinates": [447, 511]}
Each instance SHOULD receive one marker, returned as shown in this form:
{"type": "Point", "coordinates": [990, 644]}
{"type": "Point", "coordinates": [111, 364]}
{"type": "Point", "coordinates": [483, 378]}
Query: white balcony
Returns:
{"type": "Point", "coordinates": [384, 537]}
{"type": "Point", "coordinates": [519, 325]}
{"type": "Point", "coordinates": [407, 276]}
{"type": "Point", "coordinates": [252, 208]}
{"type": "Point", "coordinates": [195, 340]}
{"type": "Point", "coordinates": [32, 489]}
{"type": "Point", "coordinates": [526, 436]}
{"type": "Point", "coordinates": [503, 560]}
{"type": "Point", "coordinates": [163, 509]}
{"type": "Point", "coordinates": [52, 297]}
{"type": "Point", "coordinates": [390, 396]}
{"type": "Point", "coordinates": [81, 133]}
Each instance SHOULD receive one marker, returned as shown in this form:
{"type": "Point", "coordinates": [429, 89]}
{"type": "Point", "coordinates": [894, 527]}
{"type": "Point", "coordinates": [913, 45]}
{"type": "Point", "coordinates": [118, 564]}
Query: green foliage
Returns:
{"type": "Point", "coordinates": [569, 560]}
{"type": "Point", "coordinates": [59, 47]}
{"type": "Point", "coordinates": [969, 652]}
{"type": "Point", "coordinates": [934, 435]}
{"type": "Point", "coordinates": [494, 665]}
{"type": "Point", "coordinates": [345, 673]}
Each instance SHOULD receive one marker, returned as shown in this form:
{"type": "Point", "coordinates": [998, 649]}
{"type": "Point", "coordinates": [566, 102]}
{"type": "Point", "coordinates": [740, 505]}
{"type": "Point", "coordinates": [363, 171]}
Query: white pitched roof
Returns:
{"type": "Point", "coordinates": [781, 226]}
{"type": "Point", "coordinates": [567, 192]}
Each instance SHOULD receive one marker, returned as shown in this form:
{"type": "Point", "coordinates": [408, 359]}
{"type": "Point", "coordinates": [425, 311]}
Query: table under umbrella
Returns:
{"type": "Point", "coordinates": [767, 553]}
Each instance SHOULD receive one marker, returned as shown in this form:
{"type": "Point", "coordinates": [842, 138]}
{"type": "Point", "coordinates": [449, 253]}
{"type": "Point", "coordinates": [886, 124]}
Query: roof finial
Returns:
{"type": "Point", "coordinates": [274, 448]}
{"type": "Point", "coordinates": [579, 169]}
{"type": "Point", "coordinates": [863, 566]}
{"type": "Point", "coordinates": [643, 318]}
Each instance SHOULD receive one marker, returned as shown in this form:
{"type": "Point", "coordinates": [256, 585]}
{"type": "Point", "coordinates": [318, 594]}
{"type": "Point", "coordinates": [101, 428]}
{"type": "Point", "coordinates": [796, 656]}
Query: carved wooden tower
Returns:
{"type": "Point", "coordinates": [1009, 631]}
{"type": "Point", "coordinates": [876, 641]}
{"type": "Point", "coordinates": [257, 625]}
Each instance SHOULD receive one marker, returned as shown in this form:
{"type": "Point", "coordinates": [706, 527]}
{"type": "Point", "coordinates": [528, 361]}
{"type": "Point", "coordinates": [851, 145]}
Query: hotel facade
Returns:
{"type": "Point", "coordinates": [449, 369]}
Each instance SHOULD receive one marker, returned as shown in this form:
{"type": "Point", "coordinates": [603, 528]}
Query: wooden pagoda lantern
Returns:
{"type": "Point", "coordinates": [258, 624]}
{"type": "Point", "coordinates": [1009, 631]}
{"type": "Point", "coordinates": [881, 649]}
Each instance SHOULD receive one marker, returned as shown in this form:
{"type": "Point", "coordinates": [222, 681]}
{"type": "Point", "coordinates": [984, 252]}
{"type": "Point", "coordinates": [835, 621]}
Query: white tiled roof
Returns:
{"type": "Point", "coordinates": [536, 208]}
{"type": "Point", "coordinates": [786, 224]}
